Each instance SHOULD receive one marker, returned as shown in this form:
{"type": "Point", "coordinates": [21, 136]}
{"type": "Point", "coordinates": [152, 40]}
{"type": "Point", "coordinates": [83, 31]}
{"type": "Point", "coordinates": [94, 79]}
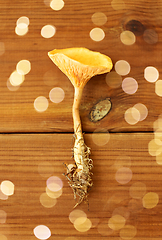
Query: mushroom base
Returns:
{"type": "Point", "coordinates": [79, 174]}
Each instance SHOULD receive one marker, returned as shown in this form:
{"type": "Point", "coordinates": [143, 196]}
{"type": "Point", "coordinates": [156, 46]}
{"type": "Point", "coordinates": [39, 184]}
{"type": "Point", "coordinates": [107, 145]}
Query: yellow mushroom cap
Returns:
{"type": "Point", "coordinates": [80, 64]}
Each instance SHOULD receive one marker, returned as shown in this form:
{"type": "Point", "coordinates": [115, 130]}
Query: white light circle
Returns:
{"type": "Point", "coordinates": [57, 4]}
{"type": "Point", "coordinates": [42, 232]}
{"type": "Point", "coordinates": [21, 31]}
{"type": "Point", "coordinates": [23, 67]}
{"type": "Point", "coordinates": [22, 25]}
{"type": "Point", "coordinates": [54, 183]}
{"type": "Point", "coordinates": [41, 104]}
{"type": "Point", "coordinates": [97, 34]}
{"type": "Point", "coordinates": [127, 38]}
{"type": "Point", "coordinates": [118, 5]}
{"type": "Point", "coordinates": [101, 136]}
{"type": "Point", "coordinates": [16, 78]}
{"type": "Point", "coordinates": [132, 116]}
{"type": "Point", "coordinates": [56, 95]}
{"type": "Point", "coordinates": [142, 110]}
{"type": "Point", "coordinates": [99, 18]}
{"type": "Point", "coordinates": [129, 85]}
{"type": "Point", "coordinates": [7, 187]}
{"type": "Point", "coordinates": [158, 88]}
{"type": "Point", "coordinates": [23, 19]}
{"type": "Point", "coordinates": [48, 31]}
{"type": "Point", "coordinates": [82, 224]}
{"type": "Point", "coordinates": [151, 74]}
{"type": "Point", "coordinates": [122, 67]}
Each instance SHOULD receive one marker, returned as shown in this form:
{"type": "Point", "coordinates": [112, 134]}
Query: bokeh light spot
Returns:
{"type": "Point", "coordinates": [158, 123]}
{"type": "Point", "coordinates": [158, 88]}
{"type": "Point", "coordinates": [113, 79]}
{"type": "Point", "coordinates": [22, 24]}
{"type": "Point", "coordinates": [16, 78]}
{"type": "Point", "coordinates": [155, 147]}
{"type": "Point", "coordinates": [57, 4]}
{"type": "Point", "coordinates": [123, 175]}
{"type": "Point", "coordinates": [116, 222]}
{"type": "Point", "coordinates": [56, 95]}
{"type": "Point", "coordinates": [54, 183]}
{"type": "Point", "coordinates": [118, 4]}
{"type": "Point", "coordinates": [3, 216]}
{"type": "Point", "coordinates": [97, 34]}
{"type": "Point", "coordinates": [132, 116]}
{"type": "Point", "coordinates": [159, 158]}
{"type": "Point", "coordinates": [150, 200]}
{"type": "Point", "coordinates": [142, 110]}
{"type": "Point", "coordinates": [11, 87]}
{"type": "Point", "coordinates": [2, 195]}
{"type": "Point", "coordinates": [151, 74]}
{"type": "Point", "coordinates": [41, 104]}
{"type": "Point", "coordinates": [47, 201]}
{"type": "Point", "coordinates": [100, 137]}
{"type": "Point", "coordinates": [99, 18]}
{"type": "Point", "coordinates": [122, 211]}
{"type": "Point", "coordinates": [128, 232]}
{"type": "Point", "coordinates": [150, 36]}
{"type": "Point", "coordinates": [82, 224]}
{"type": "Point", "coordinates": [158, 134]}
{"type": "Point", "coordinates": [129, 85]}
{"type": "Point", "coordinates": [104, 229]}
{"type": "Point", "coordinates": [122, 67]}
{"type": "Point", "coordinates": [23, 67]}
{"type": "Point", "coordinates": [21, 29]}
{"type": "Point", "coordinates": [45, 169]}
{"type": "Point", "coordinates": [7, 187]}
{"type": "Point", "coordinates": [137, 190]}
{"type": "Point", "coordinates": [42, 232]}
{"type": "Point", "coordinates": [135, 114]}
{"type": "Point", "coordinates": [76, 214]}
{"type": "Point", "coordinates": [127, 38]}
{"type": "Point", "coordinates": [52, 194]}
{"type": "Point", "coordinates": [24, 20]}
{"type": "Point", "coordinates": [48, 31]}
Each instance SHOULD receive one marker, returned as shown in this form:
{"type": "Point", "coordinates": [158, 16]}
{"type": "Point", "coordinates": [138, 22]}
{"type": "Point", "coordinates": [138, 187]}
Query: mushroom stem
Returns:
{"type": "Point", "coordinates": [79, 145]}
{"type": "Point", "coordinates": [80, 176]}
{"type": "Point", "coordinates": [75, 110]}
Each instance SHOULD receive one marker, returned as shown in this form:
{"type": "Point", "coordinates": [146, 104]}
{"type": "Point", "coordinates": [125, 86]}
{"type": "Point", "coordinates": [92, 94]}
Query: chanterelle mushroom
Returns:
{"type": "Point", "coordinates": [79, 65]}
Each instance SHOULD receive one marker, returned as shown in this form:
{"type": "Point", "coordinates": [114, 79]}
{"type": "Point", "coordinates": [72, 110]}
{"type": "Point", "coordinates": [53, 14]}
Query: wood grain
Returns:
{"type": "Point", "coordinates": [73, 24]}
{"type": "Point", "coordinates": [29, 139]}
{"type": "Point", "coordinates": [21, 156]}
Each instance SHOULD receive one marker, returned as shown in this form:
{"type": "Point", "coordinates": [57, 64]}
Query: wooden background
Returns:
{"type": "Point", "coordinates": [29, 138]}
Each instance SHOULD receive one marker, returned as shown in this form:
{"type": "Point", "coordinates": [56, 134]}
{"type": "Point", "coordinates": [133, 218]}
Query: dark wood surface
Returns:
{"type": "Point", "coordinates": [21, 156]}
{"type": "Point", "coordinates": [17, 112]}
{"type": "Point", "coordinates": [29, 138]}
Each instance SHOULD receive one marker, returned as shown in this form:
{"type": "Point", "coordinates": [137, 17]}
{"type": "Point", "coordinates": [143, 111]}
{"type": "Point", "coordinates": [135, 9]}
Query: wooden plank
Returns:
{"type": "Point", "coordinates": [22, 158]}
{"type": "Point", "coordinates": [73, 24]}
